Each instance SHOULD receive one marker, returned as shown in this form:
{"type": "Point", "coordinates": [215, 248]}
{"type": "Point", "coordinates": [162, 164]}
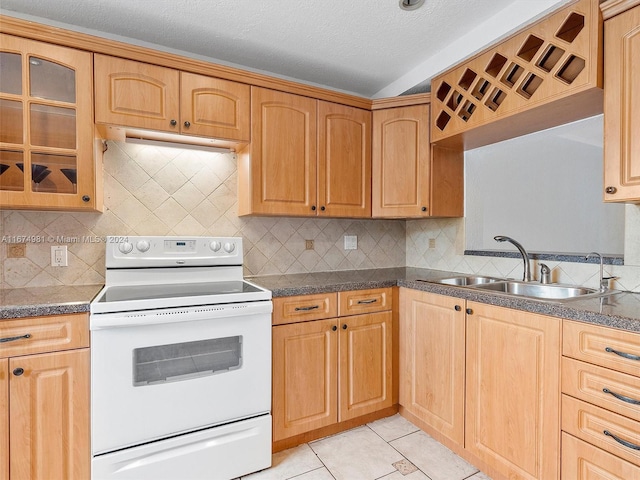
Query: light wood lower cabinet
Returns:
{"type": "Point", "coordinates": [4, 419]}
{"type": "Point", "coordinates": [485, 380]}
{"type": "Point", "coordinates": [513, 391]}
{"type": "Point", "coordinates": [600, 402]}
{"type": "Point", "coordinates": [432, 352]}
{"type": "Point", "coordinates": [305, 369]}
{"type": "Point", "coordinates": [44, 399]}
{"type": "Point", "coordinates": [330, 370]}
{"type": "Point", "coordinates": [582, 461]}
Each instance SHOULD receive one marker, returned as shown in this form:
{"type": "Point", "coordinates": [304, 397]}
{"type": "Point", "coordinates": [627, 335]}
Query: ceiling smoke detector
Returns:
{"type": "Point", "coordinates": [411, 4]}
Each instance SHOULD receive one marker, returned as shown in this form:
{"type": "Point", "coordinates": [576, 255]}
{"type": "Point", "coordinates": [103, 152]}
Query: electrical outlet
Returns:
{"type": "Point", "coordinates": [59, 256]}
{"type": "Point", "coordinates": [350, 242]}
{"type": "Point", "coordinates": [308, 244]}
{"type": "Point", "coordinates": [432, 243]}
{"type": "Point", "coordinates": [17, 250]}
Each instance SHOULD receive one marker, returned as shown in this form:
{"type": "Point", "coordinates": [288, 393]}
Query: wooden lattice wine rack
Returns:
{"type": "Point", "coordinates": [501, 88]}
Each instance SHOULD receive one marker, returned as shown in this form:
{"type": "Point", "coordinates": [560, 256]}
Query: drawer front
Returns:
{"type": "Point", "coordinates": [303, 308]}
{"type": "Point", "coordinates": [603, 346]}
{"type": "Point", "coordinates": [25, 336]}
{"type": "Point", "coordinates": [588, 422]}
{"type": "Point", "coordinates": [589, 382]}
{"type": "Point", "coordinates": [581, 461]}
{"type": "Point", "coordinates": [364, 301]}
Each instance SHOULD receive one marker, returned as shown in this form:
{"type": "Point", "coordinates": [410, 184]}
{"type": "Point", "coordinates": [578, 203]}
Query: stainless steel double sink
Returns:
{"type": "Point", "coordinates": [533, 290]}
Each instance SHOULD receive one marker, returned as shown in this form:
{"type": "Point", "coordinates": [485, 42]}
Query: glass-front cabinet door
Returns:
{"type": "Point", "coordinates": [46, 127]}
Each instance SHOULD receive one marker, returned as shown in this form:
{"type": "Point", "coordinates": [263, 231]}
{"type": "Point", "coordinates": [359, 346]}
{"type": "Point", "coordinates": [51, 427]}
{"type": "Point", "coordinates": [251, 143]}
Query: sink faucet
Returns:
{"type": "Point", "coordinates": [604, 281]}
{"type": "Point", "coordinates": [525, 256]}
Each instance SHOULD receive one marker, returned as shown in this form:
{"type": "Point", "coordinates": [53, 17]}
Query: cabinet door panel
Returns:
{"type": "Point", "coordinates": [50, 416]}
{"type": "Point", "coordinates": [344, 161]}
{"type": "Point", "coordinates": [135, 94]}
{"type": "Point", "coordinates": [305, 363]}
{"type": "Point", "coordinates": [47, 156]}
{"type": "Point", "coordinates": [400, 179]}
{"type": "Point", "coordinates": [513, 391]}
{"type": "Point", "coordinates": [214, 107]}
{"type": "Point", "coordinates": [622, 107]}
{"type": "Point", "coordinates": [283, 154]}
{"type": "Point", "coordinates": [432, 350]}
{"type": "Point", "coordinates": [365, 364]}
{"type": "Point", "coordinates": [4, 419]}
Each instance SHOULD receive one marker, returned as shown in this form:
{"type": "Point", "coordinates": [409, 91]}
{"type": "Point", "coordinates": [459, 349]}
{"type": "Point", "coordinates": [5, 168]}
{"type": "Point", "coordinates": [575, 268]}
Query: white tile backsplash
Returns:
{"type": "Point", "coordinates": [162, 191]}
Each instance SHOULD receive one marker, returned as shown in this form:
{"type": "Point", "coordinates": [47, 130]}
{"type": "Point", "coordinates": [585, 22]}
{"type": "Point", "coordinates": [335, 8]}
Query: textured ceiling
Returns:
{"type": "Point", "coordinates": [359, 46]}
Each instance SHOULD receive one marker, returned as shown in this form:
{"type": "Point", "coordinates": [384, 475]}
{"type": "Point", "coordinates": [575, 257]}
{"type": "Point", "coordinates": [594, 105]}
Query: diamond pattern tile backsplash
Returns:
{"type": "Point", "coordinates": [162, 191]}
{"type": "Point", "coordinates": [449, 247]}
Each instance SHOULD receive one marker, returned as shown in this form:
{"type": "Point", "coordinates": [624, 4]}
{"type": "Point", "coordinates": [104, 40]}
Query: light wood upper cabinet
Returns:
{"type": "Point", "coordinates": [136, 94]}
{"type": "Point", "coordinates": [4, 419]}
{"type": "Point", "coordinates": [400, 159]}
{"type": "Point", "coordinates": [47, 157]}
{"type": "Point", "coordinates": [622, 107]}
{"type": "Point", "coordinates": [150, 97]}
{"type": "Point", "coordinates": [513, 391]}
{"type": "Point", "coordinates": [306, 158]}
{"type": "Point", "coordinates": [211, 107]}
{"type": "Point", "coordinates": [277, 172]}
{"type": "Point", "coordinates": [410, 177]}
{"type": "Point", "coordinates": [344, 161]}
{"type": "Point", "coordinates": [432, 361]}
{"type": "Point", "coordinates": [544, 75]}
{"type": "Point", "coordinates": [305, 372]}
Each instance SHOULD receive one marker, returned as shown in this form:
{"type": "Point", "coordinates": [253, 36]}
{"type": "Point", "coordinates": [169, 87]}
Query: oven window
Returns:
{"type": "Point", "coordinates": [182, 361]}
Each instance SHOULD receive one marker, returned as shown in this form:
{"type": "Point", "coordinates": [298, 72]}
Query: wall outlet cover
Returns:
{"type": "Point", "coordinates": [59, 256]}
{"type": "Point", "coordinates": [350, 242]}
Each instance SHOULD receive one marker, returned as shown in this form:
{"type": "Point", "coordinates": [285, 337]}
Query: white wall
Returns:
{"type": "Point", "coordinates": [544, 190]}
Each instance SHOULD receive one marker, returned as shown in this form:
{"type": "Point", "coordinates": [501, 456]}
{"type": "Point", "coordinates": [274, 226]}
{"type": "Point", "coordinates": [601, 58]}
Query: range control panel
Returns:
{"type": "Point", "coordinates": [150, 251]}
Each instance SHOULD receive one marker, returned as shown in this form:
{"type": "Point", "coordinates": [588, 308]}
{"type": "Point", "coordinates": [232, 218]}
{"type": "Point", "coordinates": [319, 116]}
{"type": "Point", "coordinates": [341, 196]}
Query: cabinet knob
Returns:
{"type": "Point", "coordinates": [323, 208]}
{"type": "Point", "coordinates": [313, 207]}
{"type": "Point", "coordinates": [334, 328]}
{"type": "Point", "coordinates": [611, 189]}
{"type": "Point", "coordinates": [187, 124]}
{"type": "Point", "coordinates": [344, 326]}
{"type": "Point", "coordinates": [469, 311]}
{"type": "Point", "coordinates": [173, 122]}
{"type": "Point", "coordinates": [424, 209]}
{"type": "Point", "coordinates": [458, 308]}
{"type": "Point", "coordinates": [18, 371]}
{"type": "Point", "coordinates": [86, 198]}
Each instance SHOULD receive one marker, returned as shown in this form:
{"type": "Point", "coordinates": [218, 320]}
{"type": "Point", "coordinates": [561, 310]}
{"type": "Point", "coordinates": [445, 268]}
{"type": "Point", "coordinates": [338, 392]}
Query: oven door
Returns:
{"type": "Point", "coordinates": [164, 372]}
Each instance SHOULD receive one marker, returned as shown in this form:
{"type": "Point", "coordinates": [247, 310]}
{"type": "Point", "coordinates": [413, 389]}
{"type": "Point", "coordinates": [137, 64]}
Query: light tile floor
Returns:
{"type": "Point", "coordinates": [391, 449]}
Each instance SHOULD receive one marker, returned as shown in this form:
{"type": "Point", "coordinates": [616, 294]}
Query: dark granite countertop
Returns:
{"type": "Point", "coordinates": [38, 301]}
{"type": "Point", "coordinates": [621, 310]}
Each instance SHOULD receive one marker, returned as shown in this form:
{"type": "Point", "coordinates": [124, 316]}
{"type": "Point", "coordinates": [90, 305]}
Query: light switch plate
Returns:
{"type": "Point", "coordinates": [350, 242]}
{"type": "Point", "coordinates": [59, 256]}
